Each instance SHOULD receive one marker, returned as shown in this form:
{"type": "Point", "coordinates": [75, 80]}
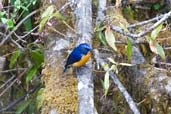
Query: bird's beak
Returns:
{"type": "Point", "coordinates": [91, 51]}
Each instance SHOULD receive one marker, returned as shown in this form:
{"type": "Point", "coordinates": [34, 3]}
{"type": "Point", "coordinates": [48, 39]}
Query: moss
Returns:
{"type": "Point", "coordinates": [60, 91]}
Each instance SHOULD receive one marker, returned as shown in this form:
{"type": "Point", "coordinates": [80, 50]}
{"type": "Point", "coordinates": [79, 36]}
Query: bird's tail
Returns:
{"type": "Point", "coordinates": [65, 68]}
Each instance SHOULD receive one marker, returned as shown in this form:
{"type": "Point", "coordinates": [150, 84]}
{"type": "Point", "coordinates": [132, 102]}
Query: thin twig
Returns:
{"type": "Point", "coordinates": [20, 38]}
{"type": "Point", "coordinates": [17, 26]}
{"type": "Point", "coordinates": [141, 34]}
{"type": "Point", "coordinates": [64, 22]}
{"type": "Point", "coordinates": [11, 70]}
{"type": "Point", "coordinates": [12, 104]}
{"type": "Point", "coordinates": [12, 83]}
{"type": "Point", "coordinates": [6, 82]}
{"type": "Point", "coordinates": [167, 48]}
{"type": "Point", "coordinates": [52, 28]}
{"type": "Point", "coordinates": [145, 22]}
{"type": "Point", "coordinates": [64, 6]}
{"type": "Point", "coordinates": [17, 44]}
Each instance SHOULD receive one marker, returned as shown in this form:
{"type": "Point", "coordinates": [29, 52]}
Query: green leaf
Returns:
{"type": "Point", "coordinates": [49, 11]}
{"type": "Point", "coordinates": [31, 108]}
{"type": "Point", "coordinates": [58, 15]}
{"type": "Point", "coordinates": [156, 31]}
{"type": "Point", "coordinates": [128, 11]}
{"type": "Point", "coordinates": [39, 98]}
{"type": "Point", "coordinates": [22, 106]}
{"type": "Point", "coordinates": [99, 27]}
{"type": "Point", "coordinates": [102, 38]}
{"type": "Point", "coordinates": [14, 58]}
{"type": "Point", "coordinates": [37, 56]}
{"type": "Point", "coordinates": [2, 13]}
{"type": "Point", "coordinates": [27, 23]}
{"type": "Point", "coordinates": [129, 49]}
{"type": "Point", "coordinates": [42, 23]}
{"type": "Point", "coordinates": [31, 72]}
{"type": "Point", "coordinates": [4, 20]}
{"type": "Point", "coordinates": [160, 51]}
{"type": "Point", "coordinates": [24, 8]}
{"type": "Point", "coordinates": [106, 82]}
{"type": "Point", "coordinates": [34, 2]}
{"type": "Point", "coordinates": [17, 4]}
{"type": "Point", "coordinates": [156, 6]}
{"type": "Point", "coordinates": [110, 38]}
{"type": "Point", "coordinates": [10, 23]}
{"type": "Point", "coordinates": [12, 2]}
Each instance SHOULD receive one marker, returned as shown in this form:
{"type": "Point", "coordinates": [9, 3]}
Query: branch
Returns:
{"type": "Point", "coordinates": [141, 34]}
{"type": "Point", "coordinates": [116, 81]}
{"type": "Point", "coordinates": [101, 11]}
{"type": "Point", "coordinates": [19, 99]}
{"type": "Point", "coordinates": [84, 29]}
{"type": "Point", "coordinates": [12, 83]}
{"type": "Point", "coordinates": [17, 26]}
{"type": "Point", "coordinates": [145, 22]}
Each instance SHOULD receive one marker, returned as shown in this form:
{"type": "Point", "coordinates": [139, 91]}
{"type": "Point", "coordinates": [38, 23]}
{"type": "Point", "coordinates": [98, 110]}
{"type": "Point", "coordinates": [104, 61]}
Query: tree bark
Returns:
{"type": "Point", "coordinates": [83, 12]}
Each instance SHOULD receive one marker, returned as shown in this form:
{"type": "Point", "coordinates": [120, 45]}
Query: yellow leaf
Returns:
{"type": "Point", "coordinates": [110, 38]}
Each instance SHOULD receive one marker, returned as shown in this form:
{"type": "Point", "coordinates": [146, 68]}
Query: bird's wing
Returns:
{"type": "Point", "coordinates": [75, 56]}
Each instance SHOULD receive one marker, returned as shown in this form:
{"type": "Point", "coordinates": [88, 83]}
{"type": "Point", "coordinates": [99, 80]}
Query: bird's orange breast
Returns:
{"type": "Point", "coordinates": [83, 60]}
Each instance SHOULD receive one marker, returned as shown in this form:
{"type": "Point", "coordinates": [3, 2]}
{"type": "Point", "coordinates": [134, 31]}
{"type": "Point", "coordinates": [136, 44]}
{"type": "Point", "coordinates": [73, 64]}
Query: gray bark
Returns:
{"type": "Point", "coordinates": [84, 29]}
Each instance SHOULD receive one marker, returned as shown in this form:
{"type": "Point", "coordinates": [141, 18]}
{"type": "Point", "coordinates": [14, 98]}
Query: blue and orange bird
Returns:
{"type": "Point", "coordinates": [79, 56]}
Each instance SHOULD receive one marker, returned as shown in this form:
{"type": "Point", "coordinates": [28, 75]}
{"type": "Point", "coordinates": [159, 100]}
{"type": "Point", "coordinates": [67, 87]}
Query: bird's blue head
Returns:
{"type": "Point", "coordinates": [84, 48]}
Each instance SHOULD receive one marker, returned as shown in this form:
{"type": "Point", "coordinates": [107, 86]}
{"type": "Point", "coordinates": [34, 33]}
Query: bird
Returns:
{"type": "Point", "coordinates": [79, 56]}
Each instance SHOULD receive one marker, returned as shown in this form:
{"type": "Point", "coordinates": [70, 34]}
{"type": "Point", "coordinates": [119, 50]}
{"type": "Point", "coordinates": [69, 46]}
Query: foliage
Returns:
{"type": "Point", "coordinates": [37, 58]}
{"type": "Point", "coordinates": [128, 10]}
{"type": "Point", "coordinates": [100, 34]}
{"type": "Point", "coordinates": [14, 58]}
{"type": "Point", "coordinates": [106, 83]}
{"type": "Point", "coordinates": [101, 37]}
{"type": "Point", "coordinates": [19, 5]}
{"type": "Point", "coordinates": [156, 6]}
{"type": "Point", "coordinates": [110, 38]}
{"type": "Point", "coordinates": [29, 58]}
{"type": "Point", "coordinates": [154, 45]}
{"type": "Point", "coordinates": [129, 49]}
{"type": "Point", "coordinates": [22, 106]}
{"type": "Point", "coordinates": [49, 14]}
{"type": "Point", "coordinates": [39, 98]}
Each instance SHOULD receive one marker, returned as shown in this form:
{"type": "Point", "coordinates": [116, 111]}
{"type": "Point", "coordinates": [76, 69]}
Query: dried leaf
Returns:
{"type": "Point", "coordinates": [153, 46]}
{"type": "Point", "coordinates": [110, 38]}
